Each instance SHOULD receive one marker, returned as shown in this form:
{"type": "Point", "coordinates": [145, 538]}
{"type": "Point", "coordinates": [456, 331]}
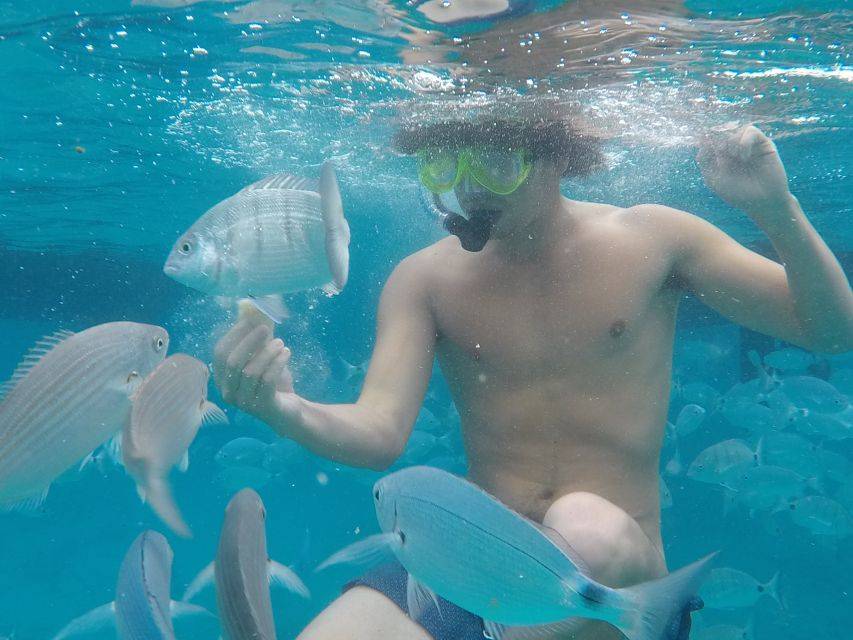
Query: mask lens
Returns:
{"type": "Point", "coordinates": [438, 170]}
{"type": "Point", "coordinates": [500, 170]}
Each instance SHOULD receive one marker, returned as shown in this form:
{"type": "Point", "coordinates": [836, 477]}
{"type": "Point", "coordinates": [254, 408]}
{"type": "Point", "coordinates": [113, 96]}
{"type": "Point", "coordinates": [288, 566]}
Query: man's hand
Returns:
{"type": "Point", "coordinates": [743, 167]}
{"type": "Point", "coordinates": [250, 369]}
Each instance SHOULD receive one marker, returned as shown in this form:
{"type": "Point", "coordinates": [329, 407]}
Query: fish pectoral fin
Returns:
{"type": "Point", "coordinates": [272, 307]}
{"type": "Point", "coordinates": [184, 464]}
{"type": "Point", "coordinates": [115, 449]}
{"type": "Point", "coordinates": [95, 620]}
{"type": "Point", "coordinates": [213, 414]}
{"type": "Point", "coordinates": [181, 609]}
{"type": "Point", "coordinates": [203, 580]}
{"type": "Point", "coordinates": [26, 505]}
{"type": "Point", "coordinates": [283, 576]}
{"type": "Point", "coordinates": [418, 598]}
{"type": "Point", "coordinates": [371, 550]}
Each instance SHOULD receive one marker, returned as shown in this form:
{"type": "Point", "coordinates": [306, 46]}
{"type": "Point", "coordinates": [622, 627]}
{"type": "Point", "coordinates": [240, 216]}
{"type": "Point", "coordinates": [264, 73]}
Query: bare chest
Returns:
{"type": "Point", "coordinates": [594, 307]}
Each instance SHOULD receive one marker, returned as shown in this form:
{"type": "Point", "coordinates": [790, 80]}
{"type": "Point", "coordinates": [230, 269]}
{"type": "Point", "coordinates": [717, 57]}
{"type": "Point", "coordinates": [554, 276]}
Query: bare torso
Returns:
{"type": "Point", "coordinates": [560, 368]}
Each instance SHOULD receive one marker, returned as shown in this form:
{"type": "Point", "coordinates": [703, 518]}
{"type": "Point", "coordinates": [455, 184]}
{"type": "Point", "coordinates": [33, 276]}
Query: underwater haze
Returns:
{"type": "Point", "coordinates": [122, 122]}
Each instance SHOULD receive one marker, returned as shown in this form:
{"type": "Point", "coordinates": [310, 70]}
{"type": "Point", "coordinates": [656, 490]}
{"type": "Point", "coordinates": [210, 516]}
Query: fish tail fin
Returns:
{"type": "Point", "coordinates": [659, 604]}
{"type": "Point", "coordinates": [159, 496]}
{"type": "Point", "coordinates": [337, 229]}
{"type": "Point", "coordinates": [772, 588]}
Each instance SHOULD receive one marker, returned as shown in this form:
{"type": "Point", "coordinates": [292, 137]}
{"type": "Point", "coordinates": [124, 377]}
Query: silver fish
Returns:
{"type": "Point", "coordinates": [459, 542]}
{"type": "Point", "coordinates": [168, 410]}
{"type": "Point", "coordinates": [143, 608]}
{"type": "Point", "coordinates": [279, 235]}
{"type": "Point", "coordinates": [143, 592]}
{"type": "Point", "coordinates": [808, 392]}
{"type": "Point", "coordinates": [68, 397]}
{"type": "Point", "coordinates": [242, 572]}
{"type": "Point", "coordinates": [790, 360]}
{"type": "Point", "coordinates": [822, 516]}
{"type": "Point", "coordinates": [241, 452]}
{"type": "Point", "coordinates": [722, 462]}
{"type": "Point", "coordinates": [728, 588]}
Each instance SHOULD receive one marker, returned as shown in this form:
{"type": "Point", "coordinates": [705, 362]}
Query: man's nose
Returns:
{"type": "Point", "coordinates": [470, 187]}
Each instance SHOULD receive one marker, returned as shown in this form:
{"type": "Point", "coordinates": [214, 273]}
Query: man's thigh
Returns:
{"type": "Point", "coordinates": [363, 614]}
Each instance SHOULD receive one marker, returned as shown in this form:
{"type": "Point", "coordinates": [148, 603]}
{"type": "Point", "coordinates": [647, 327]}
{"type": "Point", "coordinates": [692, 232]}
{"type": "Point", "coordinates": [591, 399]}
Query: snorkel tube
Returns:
{"type": "Point", "coordinates": [473, 232]}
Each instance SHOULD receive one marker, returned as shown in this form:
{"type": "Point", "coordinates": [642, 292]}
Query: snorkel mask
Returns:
{"type": "Point", "coordinates": [499, 171]}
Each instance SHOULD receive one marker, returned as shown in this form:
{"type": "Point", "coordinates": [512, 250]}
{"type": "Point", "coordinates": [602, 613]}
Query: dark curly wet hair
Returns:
{"type": "Point", "coordinates": [545, 128]}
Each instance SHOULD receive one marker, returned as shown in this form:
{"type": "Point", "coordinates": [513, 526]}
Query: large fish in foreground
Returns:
{"type": "Point", "coordinates": [168, 410]}
{"type": "Point", "coordinates": [243, 570]}
{"type": "Point", "coordinates": [143, 609]}
{"type": "Point", "coordinates": [279, 235]}
{"type": "Point", "coordinates": [459, 542]}
{"type": "Point", "coordinates": [70, 394]}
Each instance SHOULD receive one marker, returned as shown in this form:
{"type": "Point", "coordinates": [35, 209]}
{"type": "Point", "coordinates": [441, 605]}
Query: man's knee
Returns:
{"type": "Point", "coordinates": [614, 547]}
{"type": "Point", "coordinates": [363, 614]}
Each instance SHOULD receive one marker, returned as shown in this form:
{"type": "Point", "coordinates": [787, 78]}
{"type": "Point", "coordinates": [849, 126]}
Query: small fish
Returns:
{"type": "Point", "coordinates": [842, 379]}
{"type": "Point", "coordinates": [242, 452]}
{"type": "Point", "coordinates": [834, 466]}
{"type": "Point", "coordinates": [765, 487]}
{"type": "Point", "coordinates": [750, 416]}
{"type": "Point", "coordinates": [728, 588]}
{"type": "Point", "coordinates": [421, 446]}
{"type": "Point", "coordinates": [699, 393]}
{"type": "Point", "coordinates": [243, 571]}
{"type": "Point", "coordinates": [143, 608]}
{"type": "Point", "coordinates": [279, 235]}
{"type": "Point", "coordinates": [722, 462]}
{"type": "Point", "coordinates": [689, 419]}
{"type": "Point", "coordinates": [281, 455]}
{"type": "Point", "coordinates": [168, 410]}
{"type": "Point", "coordinates": [459, 542]}
{"type": "Point", "coordinates": [792, 452]}
{"type": "Point", "coordinates": [68, 397]}
{"type": "Point", "coordinates": [275, 458]}
{"type": "Point", "coordinates": [790, 360]}
{"type": "Point", "coordinates": [821, 516]}
{"type": "Point", "coordinates": [832, 426]}
{"type": "Point", "coordinates": [808, 392]}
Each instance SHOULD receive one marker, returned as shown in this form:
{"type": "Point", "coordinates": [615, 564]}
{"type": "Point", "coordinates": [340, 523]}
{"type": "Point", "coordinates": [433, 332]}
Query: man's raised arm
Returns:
{"type": "Point", "coordinates": [807, 299]}
{"type": "Point", "coordinates": [250, 370]}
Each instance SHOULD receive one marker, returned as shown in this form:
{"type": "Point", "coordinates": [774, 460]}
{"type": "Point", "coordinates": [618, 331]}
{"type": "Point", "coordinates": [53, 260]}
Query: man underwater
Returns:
{"type": "Point", "coordinates": [553, 323]}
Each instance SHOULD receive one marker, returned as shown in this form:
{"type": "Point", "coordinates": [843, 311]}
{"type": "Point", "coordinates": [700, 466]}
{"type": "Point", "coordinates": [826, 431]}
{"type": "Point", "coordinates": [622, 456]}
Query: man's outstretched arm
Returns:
{"type": "Point", "coordinates": [805, 300]}
{"type": "Point", "coordinates": [250, 370]}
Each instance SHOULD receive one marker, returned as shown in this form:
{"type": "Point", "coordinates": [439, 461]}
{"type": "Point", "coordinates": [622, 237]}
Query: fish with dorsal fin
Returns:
{"type": "Point", "coordinates": [282, 234]}
{"type": "Point", "coordinates": [69, 395]}
{"type": "Point", "coordinates": [168, 410]}
{"type": "Point", "coordinates": [460, 543]}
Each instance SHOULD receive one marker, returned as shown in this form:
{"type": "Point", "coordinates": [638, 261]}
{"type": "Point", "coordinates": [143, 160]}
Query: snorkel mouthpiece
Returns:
{"type": "Point", "coordinates": [474, 232]}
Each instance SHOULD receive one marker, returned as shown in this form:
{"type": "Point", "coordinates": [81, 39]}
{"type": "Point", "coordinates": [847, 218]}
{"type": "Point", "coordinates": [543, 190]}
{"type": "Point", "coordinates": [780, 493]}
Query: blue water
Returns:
{"type": "Point", "coordinates": [120, 125]}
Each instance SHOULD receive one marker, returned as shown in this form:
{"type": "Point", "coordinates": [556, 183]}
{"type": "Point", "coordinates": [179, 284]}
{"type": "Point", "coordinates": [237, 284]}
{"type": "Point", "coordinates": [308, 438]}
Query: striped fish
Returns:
{"type": "Point", "coordinates": [242, 572]}
{"type": "Point", "coordinates": [70, 394]}
{"type": "Point", "coordinates": [142, 593]}
{"type": "Point", "coordinates": [143, 609]}
{"type": "Point", "coordinates": [168, 410]}
{"type": "Point", "coordinates": [279, 235]}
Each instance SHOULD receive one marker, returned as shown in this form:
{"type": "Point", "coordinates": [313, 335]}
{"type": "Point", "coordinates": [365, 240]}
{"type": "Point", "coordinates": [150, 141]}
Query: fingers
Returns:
{"type": "Point", "coordinates": [227, 344]}
{"type": "Point", "coordinates": [253, 372]}
{"type": "Point", "coordinates": [278, 374]}
{"type": "Point", "coordinates": [231, 375]}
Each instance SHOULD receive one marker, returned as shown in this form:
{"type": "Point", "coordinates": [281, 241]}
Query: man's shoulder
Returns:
{"type": "Point", "coordinates": [419, 268]}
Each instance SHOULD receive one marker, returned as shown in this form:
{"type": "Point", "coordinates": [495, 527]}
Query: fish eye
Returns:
{"type": "Point", "coordinates": [186, 247]}
{"type": "Point", "coordinates": [158, 344]}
